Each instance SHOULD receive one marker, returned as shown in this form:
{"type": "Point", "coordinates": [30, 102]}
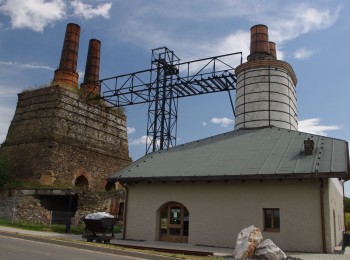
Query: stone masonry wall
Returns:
{"type": "Point", "coordinates": [17, 207]}
{"type": "Point", "coordinates": [26, 205]}
{"type": "Point", "coordinates": [8, 202]}
{"type": "Point", "coordinates": [97, 202]}
{"type": "Point", "coordinates": [55, 137]}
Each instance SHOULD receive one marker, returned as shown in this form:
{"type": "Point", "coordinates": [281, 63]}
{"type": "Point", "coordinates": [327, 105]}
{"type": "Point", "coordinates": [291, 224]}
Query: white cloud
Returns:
{"type": "Point", "coordinates": [142, 141]}
{"type": "Point", "coordinates": [88, 11]}
{"type": "Point", "coordinates": [130, 130]}
{"type": "Point", "coordinates": [33, 14]}
{"type": "Point", "coordinates": [38, 14]}
{"type": "Point", "coordinates": [204, 124]}
{"type": "Point", "coordinates": [303, 53]}
{"type": "Point", "coordinates": [300, 19]}
{"type": "Point", "coordinates": [81, 75]}
{"type": "Point", "coordinates": [8, 92]}
{"type": "Point", "coordinates": [285, 22]}
{"type": "Point", "coordinates": [26, 65]}
{"type": "Point", "coordinates": [139, 141]}
{"type": "Point", "coordinates": [224, 122]}
{"type": "Point", "coordinates": [313, 126]}
{"type": "Point", "coordinates": [238, 41]}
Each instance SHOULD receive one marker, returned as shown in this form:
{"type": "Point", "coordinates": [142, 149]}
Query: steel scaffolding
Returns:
{"type": "Point", "coordinates": [163, 84]}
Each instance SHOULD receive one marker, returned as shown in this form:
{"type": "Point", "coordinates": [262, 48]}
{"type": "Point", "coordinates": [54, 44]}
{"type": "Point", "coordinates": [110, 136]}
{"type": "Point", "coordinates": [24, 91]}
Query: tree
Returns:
{"type": "Point", "coordinates": [5, 172]}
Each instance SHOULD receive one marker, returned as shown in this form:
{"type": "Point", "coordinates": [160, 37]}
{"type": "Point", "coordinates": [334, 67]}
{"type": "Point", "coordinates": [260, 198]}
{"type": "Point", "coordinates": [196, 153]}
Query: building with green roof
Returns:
{"type": "Point", "coordinates": [264, 173]}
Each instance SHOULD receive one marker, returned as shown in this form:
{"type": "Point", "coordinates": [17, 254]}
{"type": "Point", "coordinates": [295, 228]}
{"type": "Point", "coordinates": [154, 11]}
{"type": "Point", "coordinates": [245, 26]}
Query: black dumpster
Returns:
{"type": "Point", "coordinates": [346, 241]}
{"type": "Point", "coordinates": [100, 230]}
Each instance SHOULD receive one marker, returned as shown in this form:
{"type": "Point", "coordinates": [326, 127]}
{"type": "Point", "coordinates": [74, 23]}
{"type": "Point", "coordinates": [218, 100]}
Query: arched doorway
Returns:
{"type": "Point", "coordinates": [82, 182]}
{"type": "Point", "coordinates": [174, 223]}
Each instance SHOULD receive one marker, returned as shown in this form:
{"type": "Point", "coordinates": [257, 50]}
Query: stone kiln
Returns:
{"type": "Point", "coordinates": [58, 139]}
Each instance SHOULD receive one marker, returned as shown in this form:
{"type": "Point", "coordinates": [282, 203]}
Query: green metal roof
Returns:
{"type": "Point", "coordinates": [243, 154]}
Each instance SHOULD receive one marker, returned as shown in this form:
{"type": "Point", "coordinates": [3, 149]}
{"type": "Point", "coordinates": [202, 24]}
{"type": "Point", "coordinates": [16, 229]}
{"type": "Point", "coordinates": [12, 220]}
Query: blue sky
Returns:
{"type": "Point", "coordinates": [313, 36]}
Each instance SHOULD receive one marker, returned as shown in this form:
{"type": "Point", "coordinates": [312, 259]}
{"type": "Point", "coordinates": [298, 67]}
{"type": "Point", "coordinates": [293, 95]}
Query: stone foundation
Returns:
{"type": "Point", "coordinates": [34, 206]}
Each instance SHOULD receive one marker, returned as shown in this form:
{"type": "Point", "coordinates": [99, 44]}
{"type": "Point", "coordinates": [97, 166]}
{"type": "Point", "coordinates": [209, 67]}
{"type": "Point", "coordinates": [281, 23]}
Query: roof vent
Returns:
{"type": "Point", "coordinates": [309, 146]}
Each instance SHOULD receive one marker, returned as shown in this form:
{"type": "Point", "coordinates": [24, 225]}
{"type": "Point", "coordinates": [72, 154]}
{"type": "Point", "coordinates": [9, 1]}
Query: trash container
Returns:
{"type": "Point", "coordinates": [101, 230]}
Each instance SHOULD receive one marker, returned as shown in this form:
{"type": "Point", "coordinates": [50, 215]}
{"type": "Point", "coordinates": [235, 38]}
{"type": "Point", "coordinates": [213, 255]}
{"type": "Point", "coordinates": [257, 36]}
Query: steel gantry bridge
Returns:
{"type": "Point", "coordinates": [163, 84]}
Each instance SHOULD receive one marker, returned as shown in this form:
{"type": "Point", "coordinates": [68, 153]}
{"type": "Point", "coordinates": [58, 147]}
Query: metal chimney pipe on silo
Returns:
{"type": "Point", "coordinates": [92, 68]}
{"type": "Point", "coordinates": [66, 74]}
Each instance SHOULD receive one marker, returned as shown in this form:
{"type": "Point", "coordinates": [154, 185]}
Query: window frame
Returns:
{"type": "Point", "coordinates": [274, 227]}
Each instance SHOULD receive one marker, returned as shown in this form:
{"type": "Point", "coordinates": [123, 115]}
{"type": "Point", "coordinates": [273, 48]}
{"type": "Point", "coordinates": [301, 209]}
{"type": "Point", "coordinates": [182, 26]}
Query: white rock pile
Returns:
{"type": "Point", "coordinates": [249, 245]}
{"type": "Point", "coordinates": [98, 215]}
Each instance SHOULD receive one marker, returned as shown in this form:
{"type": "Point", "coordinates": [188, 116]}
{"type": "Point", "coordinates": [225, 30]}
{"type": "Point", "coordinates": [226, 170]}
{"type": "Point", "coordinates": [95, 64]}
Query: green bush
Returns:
{"type": "Point", "coordinates": [347, 221]}
{"type": "Point", "coordinates": [347, 204]}
{"type": "Point", "coordinates": [5, 172]}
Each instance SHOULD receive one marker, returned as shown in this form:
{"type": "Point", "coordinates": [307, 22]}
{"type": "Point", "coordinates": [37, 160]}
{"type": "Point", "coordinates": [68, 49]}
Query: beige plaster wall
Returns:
{"type": "Point", "coordinates": [219, 211]}
{"type": "Point", "coordinates": [334, 213]}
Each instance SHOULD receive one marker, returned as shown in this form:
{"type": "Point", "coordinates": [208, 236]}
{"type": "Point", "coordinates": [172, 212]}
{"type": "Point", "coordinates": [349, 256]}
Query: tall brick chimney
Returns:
{"type": "Point", "coordinates": [67, 74]}
{"type": "Point", "coordinates": [92, 68]}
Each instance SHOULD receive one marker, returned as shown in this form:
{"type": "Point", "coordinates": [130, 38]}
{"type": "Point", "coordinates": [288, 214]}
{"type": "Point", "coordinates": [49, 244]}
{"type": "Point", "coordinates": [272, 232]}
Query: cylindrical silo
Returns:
{"type": "Point", "coordinates": [266, 87]}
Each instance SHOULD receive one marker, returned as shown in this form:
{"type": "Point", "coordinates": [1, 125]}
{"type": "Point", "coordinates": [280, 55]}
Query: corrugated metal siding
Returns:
{"type": "Point", "coordinates": [251, 152]}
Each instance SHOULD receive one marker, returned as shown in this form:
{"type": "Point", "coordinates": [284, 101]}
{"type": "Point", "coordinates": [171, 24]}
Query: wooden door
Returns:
{"type": "Point", "coordinates": [174, 223]}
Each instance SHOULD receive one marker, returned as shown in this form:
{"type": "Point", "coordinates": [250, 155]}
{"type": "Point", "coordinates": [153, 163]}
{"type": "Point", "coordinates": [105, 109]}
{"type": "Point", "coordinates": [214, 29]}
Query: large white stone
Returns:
{"type": "Point", "coordinates": [247, 240]}
{"type": "Point", "coordinates": [268, 250]}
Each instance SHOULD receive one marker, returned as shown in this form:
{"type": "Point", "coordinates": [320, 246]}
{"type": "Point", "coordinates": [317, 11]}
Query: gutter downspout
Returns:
{"type": "Point", "coordinates": [344, 217]}
{"type": "Point", "coordinates": [125, 209]}
{"type": "Point", "coordinates": [345, 180]}
{"type": "Point", "coordinates": [322, 217]}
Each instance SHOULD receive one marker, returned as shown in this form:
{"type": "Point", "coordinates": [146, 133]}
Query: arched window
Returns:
{"type": "Point", "coordinates": [174, 223]}
{"type": "Point", "coordinates": [82, 182]}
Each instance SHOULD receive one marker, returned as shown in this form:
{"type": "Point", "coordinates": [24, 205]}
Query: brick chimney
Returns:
{"type": "Point", "coordinates": [259, 43]}
{"type": "Point", "coordinates": [66, 74]}
{"type": "Point", "coordinates": [272, 49]}
{"type": "Point", "coordinates": [309, 146]}
{"type": "Point", "coordinates": [92, 68]}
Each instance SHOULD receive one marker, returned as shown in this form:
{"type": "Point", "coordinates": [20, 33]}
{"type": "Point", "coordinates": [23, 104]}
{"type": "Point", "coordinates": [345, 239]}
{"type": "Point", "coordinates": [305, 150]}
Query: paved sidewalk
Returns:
{"type": "Point", "coordinates": [216, 251]}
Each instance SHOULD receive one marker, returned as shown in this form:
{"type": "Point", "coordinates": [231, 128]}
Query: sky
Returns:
{"type": "Point", "coordinates": [312, 36]}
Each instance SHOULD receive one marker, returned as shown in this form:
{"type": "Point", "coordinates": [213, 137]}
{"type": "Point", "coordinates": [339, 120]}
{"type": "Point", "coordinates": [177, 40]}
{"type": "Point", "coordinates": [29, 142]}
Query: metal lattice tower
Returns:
{"type": "Point", "coordinates": [163, 84]}
{"type": "Point", "coordinates": [162, 110]}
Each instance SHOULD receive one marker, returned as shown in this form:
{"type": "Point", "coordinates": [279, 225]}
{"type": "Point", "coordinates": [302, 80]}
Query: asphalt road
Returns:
{"type": "Point", "coordinates": [19, 249]}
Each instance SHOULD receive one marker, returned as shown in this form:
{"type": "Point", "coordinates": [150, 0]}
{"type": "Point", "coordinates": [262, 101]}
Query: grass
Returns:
{"type": "Point", "coordinates": [81, 229]}
{"type": "Point", "coordinates": [58, 228]}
